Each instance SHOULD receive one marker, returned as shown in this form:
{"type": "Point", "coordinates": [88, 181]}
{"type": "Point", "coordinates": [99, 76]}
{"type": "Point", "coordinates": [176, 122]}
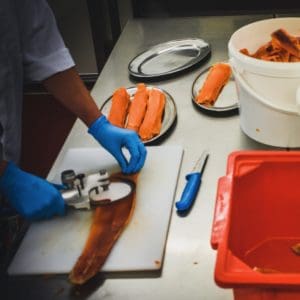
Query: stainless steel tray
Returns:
{"type": "Point", "coordinates": [169, 116]}
{"type": "Point", "coordinates": [168, 58]}
{"type": "Point", "coordinates": [227, 102]}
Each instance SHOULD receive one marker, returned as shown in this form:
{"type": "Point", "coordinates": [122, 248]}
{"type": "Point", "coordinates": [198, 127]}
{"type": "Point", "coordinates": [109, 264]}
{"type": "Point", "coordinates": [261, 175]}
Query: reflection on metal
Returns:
{"type": "Point", "coordinates": [168, 58]}
{"type": "Point", "coordinates": [84, 190]}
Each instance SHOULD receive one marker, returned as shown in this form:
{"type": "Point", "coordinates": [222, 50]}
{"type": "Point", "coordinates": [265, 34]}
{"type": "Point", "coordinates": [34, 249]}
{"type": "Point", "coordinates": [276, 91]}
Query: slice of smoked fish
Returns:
{"type": "Point", "coordinates": [283, 47]}
{"type": "Point", "coordinates": [287, 42]}
{"type": "Point", "coordinates": [153, 118]}
{"type": "Point", "coordinates": [108, 223]}
{"type": "Point", "coordinates": [119, 107]}
{"type": "Point", "coordinates": [137, 108]}
{"type": "Point", "coordinates": [217, 77]}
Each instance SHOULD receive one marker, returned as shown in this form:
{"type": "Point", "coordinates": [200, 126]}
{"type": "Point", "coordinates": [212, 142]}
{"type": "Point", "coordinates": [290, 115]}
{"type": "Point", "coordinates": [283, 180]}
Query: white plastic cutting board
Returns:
{"type": "Point", "coordinates": [53, 246]}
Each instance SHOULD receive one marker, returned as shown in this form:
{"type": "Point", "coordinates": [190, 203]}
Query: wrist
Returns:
{"type": "Point", "coordinates": [91, 117]}
{"type": "Point", "coordinates": [6, 175]}
{"type": "Point", "coordinates": [97, 125]}
{"type": "Point", "coordinates": [3, 165]}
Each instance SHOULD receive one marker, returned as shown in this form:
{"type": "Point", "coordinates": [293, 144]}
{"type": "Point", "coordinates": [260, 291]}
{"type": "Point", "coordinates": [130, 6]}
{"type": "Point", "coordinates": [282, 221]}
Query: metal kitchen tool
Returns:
{"type": "Point", "coordinates": [85, 190]}
{"type": "Point", "coordinates": [192, 185]}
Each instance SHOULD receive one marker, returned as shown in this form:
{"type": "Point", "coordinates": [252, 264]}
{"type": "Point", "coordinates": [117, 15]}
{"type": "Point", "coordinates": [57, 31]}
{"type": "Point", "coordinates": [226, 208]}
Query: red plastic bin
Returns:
{"type": "Point", "coordinates": [256, 224]}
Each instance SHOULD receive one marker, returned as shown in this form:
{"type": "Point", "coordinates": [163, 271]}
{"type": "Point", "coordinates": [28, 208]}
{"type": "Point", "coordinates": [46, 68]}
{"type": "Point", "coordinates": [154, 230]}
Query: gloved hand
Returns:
{"type": "Point", "coordinates": [113, 138]}
{"type": "Point", "coordinates": [32, 197]}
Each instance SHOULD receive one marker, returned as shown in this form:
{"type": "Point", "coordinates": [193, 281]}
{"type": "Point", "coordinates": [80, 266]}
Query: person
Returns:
{"type": "Point", "coordinates": [31, 48]}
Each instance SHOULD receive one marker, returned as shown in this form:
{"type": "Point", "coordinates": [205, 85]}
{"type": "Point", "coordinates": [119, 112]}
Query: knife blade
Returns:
{"type": "Point", "coordinates": [192, 185]}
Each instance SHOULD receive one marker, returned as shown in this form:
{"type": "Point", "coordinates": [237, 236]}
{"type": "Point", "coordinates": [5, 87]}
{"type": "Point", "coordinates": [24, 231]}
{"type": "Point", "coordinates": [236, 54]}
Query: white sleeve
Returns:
{"type": "Point", "coordinates": [44, 52]}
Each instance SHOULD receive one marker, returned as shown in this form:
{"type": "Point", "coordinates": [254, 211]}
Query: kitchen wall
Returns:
{"type": "Point", "coordinates": [125, 11]}
{"type": "Point", "coordinates": [74, 24]}
{"type": "Point", "coordinates": [179, 8]}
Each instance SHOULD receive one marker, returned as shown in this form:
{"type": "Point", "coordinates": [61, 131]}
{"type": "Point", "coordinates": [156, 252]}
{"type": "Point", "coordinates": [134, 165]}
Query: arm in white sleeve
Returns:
{"type": "Point", "coordinates": [44, 52]}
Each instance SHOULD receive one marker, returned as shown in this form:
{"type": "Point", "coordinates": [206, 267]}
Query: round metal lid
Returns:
{"type": "Point", "coordinates": [116, 191]}
{"type": "Point", "coordinates": [168, 58]}
{"type": "Point", "coordinates": [227, 102]}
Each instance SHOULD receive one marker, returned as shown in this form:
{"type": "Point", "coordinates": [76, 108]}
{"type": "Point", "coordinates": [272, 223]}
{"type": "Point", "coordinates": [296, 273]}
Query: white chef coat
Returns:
{"type": "Point", "coordinates": [31, 48]}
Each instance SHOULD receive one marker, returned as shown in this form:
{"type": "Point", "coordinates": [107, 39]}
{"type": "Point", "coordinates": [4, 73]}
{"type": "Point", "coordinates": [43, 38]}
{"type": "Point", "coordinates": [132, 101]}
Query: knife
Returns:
{"type": "Point", "coordinates": [192, 185]}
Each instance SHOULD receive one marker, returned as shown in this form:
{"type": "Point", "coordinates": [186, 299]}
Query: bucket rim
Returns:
{"type": "Point", "coordinates": [268, 68]}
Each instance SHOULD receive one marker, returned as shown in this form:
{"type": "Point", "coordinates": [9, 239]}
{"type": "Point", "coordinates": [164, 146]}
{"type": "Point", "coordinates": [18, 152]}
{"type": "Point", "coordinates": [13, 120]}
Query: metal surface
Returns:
{"type": "Point", "coordinates": [168, 58]}
{"type": "Point", "coordinates": [188, 252]}
{"type": "Point", "coordinates": [169, 116]}
{"type": "Point", "coordinates": [227, 101]}
{"type": "Point", "coordinates": [201, 162]}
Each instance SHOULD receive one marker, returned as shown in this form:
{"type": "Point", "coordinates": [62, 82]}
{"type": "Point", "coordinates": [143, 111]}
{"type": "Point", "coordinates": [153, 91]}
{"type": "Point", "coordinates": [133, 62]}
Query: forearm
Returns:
{"type": "Point", "coordinates": [68, 88]}
{"type": "Point", "coordinates": [3, 165]}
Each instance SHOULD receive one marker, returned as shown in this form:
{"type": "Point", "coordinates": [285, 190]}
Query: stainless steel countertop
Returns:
{"type": "Point", "coordinates": [188, 269]}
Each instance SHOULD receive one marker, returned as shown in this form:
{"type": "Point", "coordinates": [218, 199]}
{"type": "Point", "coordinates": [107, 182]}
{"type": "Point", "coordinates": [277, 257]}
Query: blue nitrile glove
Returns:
{"type": "Point", "coordinates": [113, 138]}
{"type": "Point", "coordinates": [32, 197]}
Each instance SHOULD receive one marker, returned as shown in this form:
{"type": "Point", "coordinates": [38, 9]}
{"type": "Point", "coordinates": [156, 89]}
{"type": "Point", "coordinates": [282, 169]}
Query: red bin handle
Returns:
{"type": "Point", "coordinates": [221, 210]}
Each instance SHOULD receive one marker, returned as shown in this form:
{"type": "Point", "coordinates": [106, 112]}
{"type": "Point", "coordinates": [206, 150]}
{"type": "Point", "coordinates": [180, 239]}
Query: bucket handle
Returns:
{"type": "Point", "coordinates": [238, 70]}
{"type": "Point", "coordinates": [221, 210]}
{"type": "Point", "coordinates": [298, 99]}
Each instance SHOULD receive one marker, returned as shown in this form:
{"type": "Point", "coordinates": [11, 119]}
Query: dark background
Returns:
{"type": "Point", "coordinates": [175, 8]}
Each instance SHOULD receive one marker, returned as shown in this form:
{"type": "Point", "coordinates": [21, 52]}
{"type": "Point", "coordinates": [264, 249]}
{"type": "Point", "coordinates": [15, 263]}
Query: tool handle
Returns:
{"type": "Point", "coordinates": [190, 191]}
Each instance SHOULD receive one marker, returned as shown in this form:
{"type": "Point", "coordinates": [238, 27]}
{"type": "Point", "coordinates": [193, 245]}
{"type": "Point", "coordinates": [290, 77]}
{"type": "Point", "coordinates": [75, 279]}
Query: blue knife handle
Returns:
{"type": "Point", "coordinates": [190, 191]}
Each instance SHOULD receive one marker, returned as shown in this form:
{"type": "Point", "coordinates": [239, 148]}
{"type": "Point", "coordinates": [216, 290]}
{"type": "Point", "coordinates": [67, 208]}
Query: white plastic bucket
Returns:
{"type": "Point", "coordinates": [269, 92]}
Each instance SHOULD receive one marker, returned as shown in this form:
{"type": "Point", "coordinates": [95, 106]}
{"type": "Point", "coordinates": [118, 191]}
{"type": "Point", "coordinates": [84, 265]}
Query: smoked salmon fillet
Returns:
{"type": "Point", "coordinates": [119, 107]}
{"type": "Point", "coordinates": [287, 42]}
{"type": "Point", "coordinates": [282, 47]}
{"type": "Point", "coordinates": [217, 77]}
{"type": "Point", "coordinates": [107, 225]}
{"type": "Point", "coordinates": [137, 108]}
{"type": "Point", "coordinates": [153, 118]}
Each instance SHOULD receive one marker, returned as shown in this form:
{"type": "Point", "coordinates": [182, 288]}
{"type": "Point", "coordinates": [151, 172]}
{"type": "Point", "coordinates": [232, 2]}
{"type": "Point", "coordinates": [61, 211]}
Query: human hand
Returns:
{"type": "Point", "coordinates": [113, 139]}
{"type": "Point", "coordinates": [32, 197]}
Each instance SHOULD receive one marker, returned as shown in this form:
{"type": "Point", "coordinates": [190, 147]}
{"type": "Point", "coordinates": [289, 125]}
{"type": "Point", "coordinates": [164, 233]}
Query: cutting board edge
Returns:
{"type": "Point", "coordinates": [180, 152]}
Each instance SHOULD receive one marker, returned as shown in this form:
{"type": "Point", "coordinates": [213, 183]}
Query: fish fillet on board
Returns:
{"type": "Point", "coordinates": [119, 107]}
{"type": "Point", "coordinates": [108, 223]}
{"type": "Point", "coordinates": [153, 118]}
{"type": "Point", "coordinates": [137, 108]}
